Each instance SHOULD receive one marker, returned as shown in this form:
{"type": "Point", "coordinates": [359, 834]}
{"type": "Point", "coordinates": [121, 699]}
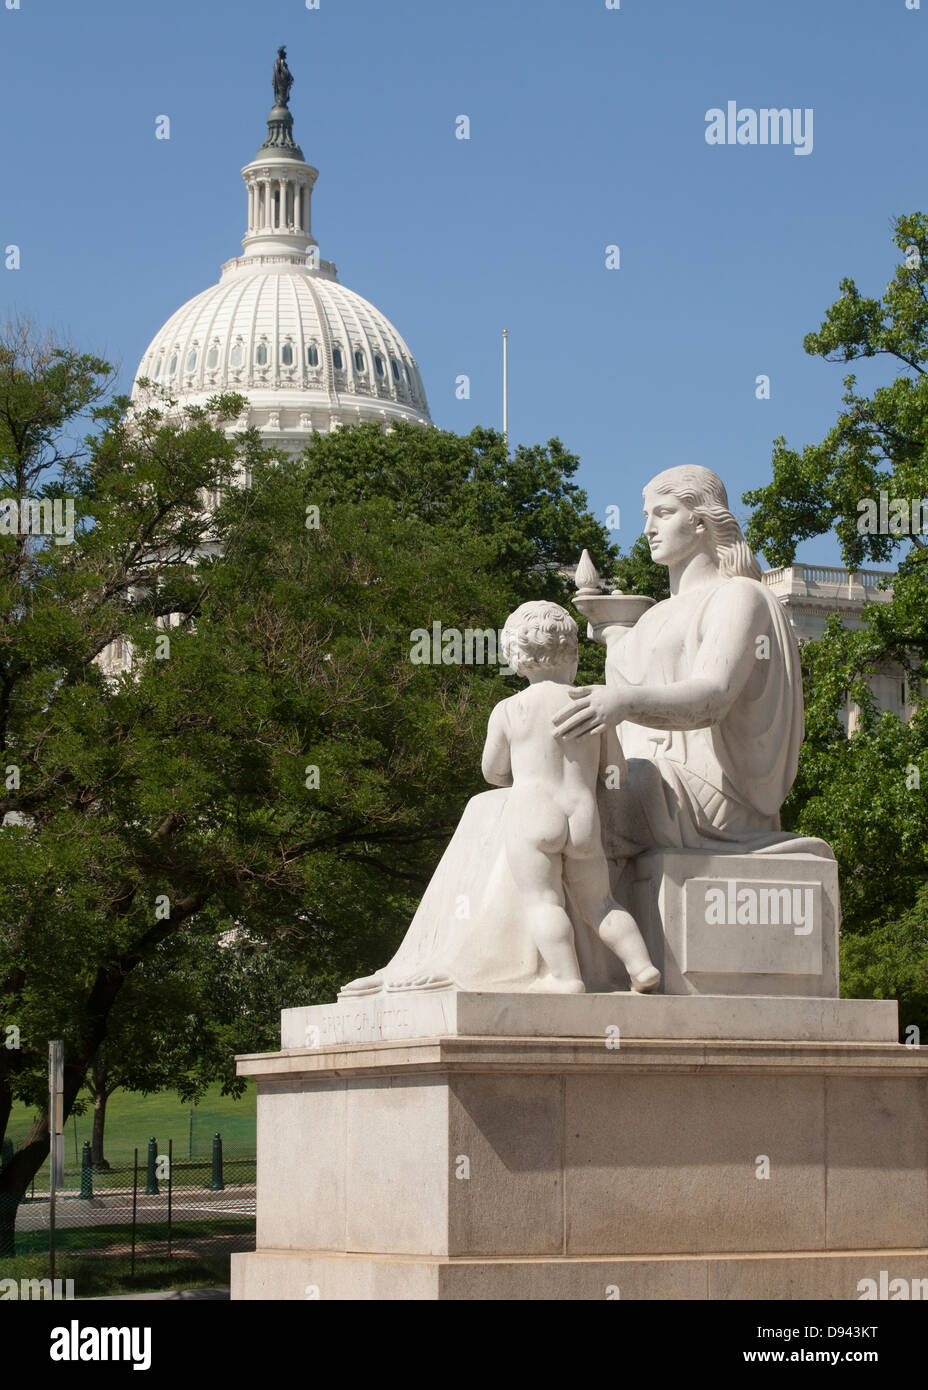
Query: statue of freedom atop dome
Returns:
{"type": "Point", "coordinates": [283, 78]}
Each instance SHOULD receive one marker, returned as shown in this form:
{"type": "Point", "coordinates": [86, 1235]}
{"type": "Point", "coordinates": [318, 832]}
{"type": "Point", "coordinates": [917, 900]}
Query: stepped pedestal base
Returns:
{"type": "Point", "coordinates": [585, 1167]}
{"type": "Point", "coordinates": [289, 1274]}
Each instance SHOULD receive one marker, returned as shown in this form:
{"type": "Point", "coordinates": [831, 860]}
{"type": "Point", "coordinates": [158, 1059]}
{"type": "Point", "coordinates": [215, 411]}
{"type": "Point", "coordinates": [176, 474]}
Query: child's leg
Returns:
{"type": "Point", "coordinates": [588, 880]}
{"type": "Point", "coordinates": [537, 873]}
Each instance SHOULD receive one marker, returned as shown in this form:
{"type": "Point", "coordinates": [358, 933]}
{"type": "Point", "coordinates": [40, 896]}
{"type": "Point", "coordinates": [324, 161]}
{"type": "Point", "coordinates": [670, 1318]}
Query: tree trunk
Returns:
{"type": "Point", "coordinates": [8, 1207]}
{"type": "Point", "coordinates": [15, 1178]}
{"type": "Point", "coordinates": [29, 1157]}
{"type": "Point", "coordinates": [101, 1095]}
{"type": "Point", "coordinates": [32, 1153]}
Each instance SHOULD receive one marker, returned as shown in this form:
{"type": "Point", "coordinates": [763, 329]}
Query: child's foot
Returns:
{"type": "Point", "coordinates": [547, 984]}
{"type": "Point", "coordinates": [620, 932]}
{"type": "Point", "coordinates": [646, 981]}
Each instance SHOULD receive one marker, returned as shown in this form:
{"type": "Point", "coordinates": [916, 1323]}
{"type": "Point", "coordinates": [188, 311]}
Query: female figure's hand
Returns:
{"type": "Point", "coordinates": [590, 709]}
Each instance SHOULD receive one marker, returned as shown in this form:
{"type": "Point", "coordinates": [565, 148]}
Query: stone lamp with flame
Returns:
{"type": "Point", "coordinates": [604, 611]}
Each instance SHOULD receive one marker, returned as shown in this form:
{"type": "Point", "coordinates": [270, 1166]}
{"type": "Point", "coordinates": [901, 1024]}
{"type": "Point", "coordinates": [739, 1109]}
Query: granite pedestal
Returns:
{"type": "Point", "coordinates": [646, 1151]}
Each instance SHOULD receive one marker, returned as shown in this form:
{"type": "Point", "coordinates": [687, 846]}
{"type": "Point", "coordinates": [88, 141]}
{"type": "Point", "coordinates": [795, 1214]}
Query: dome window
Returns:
{"type": "Point", "coordinates": [261, 355]}
{"type": "Point", "coordinates": [359, 360]}
{"type": "Point", "coordinates": [235, 356]}
{"type": "Point", "coordinates": [337, 360]}
{"type": "Point", "coordinates": [212, 357]}
{"type": "Point", "coordinates": [157, 371]}
{"type": "Point", "coordinates": [396, 370]}
{"type": "Point", "coordinates": [172, 365]}
{"type": "Point", "coordinates": [191, 359]}
{"type": "Point", "coordinates": [408, 377]}
{"type": "Point", "coordinates": [312, 355]}
{"type": "Point", "coordinates": [378, 363]}
{"type": "Point", "coordinates": [286, 355]}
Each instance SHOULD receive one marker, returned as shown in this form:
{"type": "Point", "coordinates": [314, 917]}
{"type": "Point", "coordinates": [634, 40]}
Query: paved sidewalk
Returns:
{"type": "Point", "coordinates": [187, 1295]}
{"type": "Point", "coordinates": [113, 1207]}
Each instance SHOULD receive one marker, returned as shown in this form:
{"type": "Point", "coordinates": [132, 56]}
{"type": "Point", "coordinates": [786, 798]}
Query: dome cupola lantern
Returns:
{"type": "Point", "coordinates": [279, 182]}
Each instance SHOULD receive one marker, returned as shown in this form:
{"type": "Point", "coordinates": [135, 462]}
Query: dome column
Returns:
{"type": "Point", "coordinates": [279, 206]}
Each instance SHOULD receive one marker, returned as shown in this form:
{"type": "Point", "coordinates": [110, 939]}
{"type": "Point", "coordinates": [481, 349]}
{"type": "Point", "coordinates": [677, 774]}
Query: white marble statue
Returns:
{"type": "Point", "coordinates": [703, 695]}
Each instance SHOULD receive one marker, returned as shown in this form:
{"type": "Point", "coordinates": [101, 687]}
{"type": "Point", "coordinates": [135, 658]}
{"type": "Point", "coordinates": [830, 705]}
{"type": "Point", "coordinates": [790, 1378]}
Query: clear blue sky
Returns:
{"type": "Point", "coordinates": [587, 129]}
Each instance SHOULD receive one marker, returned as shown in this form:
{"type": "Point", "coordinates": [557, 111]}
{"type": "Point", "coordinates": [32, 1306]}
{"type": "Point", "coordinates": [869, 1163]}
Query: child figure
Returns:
{"type": "Point", "coordinates": [551, 822]}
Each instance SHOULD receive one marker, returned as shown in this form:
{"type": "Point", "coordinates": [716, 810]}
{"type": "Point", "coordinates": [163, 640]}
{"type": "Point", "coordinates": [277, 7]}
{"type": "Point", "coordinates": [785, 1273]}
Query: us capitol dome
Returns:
{"type": "Point", "coordinates": [279, 328]}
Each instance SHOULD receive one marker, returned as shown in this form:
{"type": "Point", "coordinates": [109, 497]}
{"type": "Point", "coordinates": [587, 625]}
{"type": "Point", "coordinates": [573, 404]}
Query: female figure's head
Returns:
{"type": "Point", "coordinates": [686, 512]}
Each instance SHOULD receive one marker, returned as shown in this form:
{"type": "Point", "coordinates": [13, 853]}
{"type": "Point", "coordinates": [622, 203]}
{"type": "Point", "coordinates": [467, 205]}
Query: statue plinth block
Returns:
{"type": "Point", "coordinates": [531, 1167]}
{"type": "Point", "coordinates": [740, 924]}
{"type": "Point", "coordinates": [450, 1013]}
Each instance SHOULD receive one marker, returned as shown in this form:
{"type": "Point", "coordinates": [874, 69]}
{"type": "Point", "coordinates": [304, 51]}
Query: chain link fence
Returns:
{"type": "Point", "coordinates": [154, 1206]}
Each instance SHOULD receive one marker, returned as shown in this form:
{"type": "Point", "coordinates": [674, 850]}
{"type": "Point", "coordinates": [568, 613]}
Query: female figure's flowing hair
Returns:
{"type": "Point", "coordinates": [704, 493]}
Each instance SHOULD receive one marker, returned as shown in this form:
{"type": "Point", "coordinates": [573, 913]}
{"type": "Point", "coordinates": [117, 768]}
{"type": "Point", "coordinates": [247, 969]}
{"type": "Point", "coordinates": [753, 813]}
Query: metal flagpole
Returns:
{"type": "Point", "coordinates": [56, 1139]}
{"type": "Point", "coordinates": [506, 384]}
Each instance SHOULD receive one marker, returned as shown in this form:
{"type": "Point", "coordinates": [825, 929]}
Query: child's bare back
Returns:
{"type": "Point", "coordinates": [553, 782]}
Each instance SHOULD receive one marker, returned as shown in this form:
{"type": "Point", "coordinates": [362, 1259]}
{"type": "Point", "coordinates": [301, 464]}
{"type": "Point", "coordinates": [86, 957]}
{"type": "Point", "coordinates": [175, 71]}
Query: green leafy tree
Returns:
{"type": "Point", "coordinates": [274, 757]}
{"type": "Point", "coordinates": [865, 795]}
{"type": "Point", "coordinates": [530, 514]}
{"type": "Point", "coordinates": [67, 871]}
{"type": "Point", "coordinates": [183, 1014]}
{"type": "Point", "coordinates": [879, 442]}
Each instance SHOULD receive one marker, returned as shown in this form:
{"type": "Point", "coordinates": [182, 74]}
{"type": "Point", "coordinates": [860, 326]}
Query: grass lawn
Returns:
{"type": "Point", "coordinates": [131, 1119]}
{"type": "Point", "coordinates": [95, 1277]}
{"type": "Point", "coordinates": [34, 1244]}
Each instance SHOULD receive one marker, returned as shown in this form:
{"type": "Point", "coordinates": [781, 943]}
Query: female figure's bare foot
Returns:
{"type": "Point", "coordinates": [424, 979]}
{"type": "Point", "coordinates": [367, 984]}
{"type": "Point", "coordinates": [646, 981]}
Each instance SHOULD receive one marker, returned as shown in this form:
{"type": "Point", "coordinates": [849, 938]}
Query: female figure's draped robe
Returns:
{"type": "Point", "coordinates": [714, 788]}
{"type": "Point", "coordinates": [696, 788]}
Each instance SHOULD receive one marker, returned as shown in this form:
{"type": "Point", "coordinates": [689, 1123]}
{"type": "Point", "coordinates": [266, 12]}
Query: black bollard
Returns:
{"type": "Point", "coordinates": [216, 1183]}
{"type": "Point", "coordinates": [86, 1172]}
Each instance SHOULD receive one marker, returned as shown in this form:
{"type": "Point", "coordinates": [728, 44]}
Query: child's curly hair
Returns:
{"type": "Point", "coordinates": [538, 635]}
